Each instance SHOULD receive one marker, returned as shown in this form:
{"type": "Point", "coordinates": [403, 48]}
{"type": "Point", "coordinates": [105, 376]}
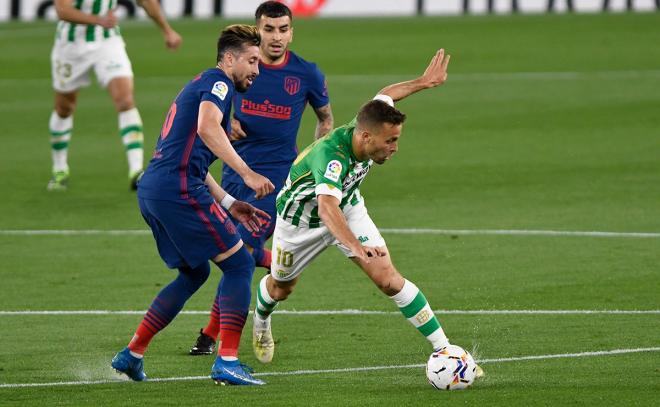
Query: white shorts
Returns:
{"type": "Point", "coordinates": [71, 63]}
{"type": "Point", "coordinates": [295, 247]}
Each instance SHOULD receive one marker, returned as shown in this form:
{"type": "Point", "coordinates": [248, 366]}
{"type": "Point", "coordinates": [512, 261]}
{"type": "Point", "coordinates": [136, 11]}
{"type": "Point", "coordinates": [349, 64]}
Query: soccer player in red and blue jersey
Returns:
{"type": "Point", "coordinates": [267, 118]}
{"type": "Point", "coordinates": [179, 199]}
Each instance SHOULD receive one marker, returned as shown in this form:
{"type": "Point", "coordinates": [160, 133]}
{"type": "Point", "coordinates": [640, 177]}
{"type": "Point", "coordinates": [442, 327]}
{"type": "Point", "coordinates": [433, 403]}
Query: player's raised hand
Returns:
{"type": "Point", "coordinates": [249, 216]}
{"type": "Point", "coordinates": [259, 184]}
{"type": "Point", "coordinates": [237, 132]}
{"type": "Point", "coordinates": [172, 39]}
{"type": "Point", "coordinates": [108, 21]}
{"type": "Point", "coordinates": [436, 73]}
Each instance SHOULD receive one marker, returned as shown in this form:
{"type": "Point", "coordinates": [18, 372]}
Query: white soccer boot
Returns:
{"type": "Point", "coordinates": [262, 340]}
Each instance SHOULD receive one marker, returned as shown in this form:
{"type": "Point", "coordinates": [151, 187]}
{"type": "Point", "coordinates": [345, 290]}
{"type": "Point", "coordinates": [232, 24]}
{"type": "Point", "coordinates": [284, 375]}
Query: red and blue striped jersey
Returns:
{"type": "Point", "coordinates": [181, 160]}
{"type": "Point", "coordinates": [270, 113]}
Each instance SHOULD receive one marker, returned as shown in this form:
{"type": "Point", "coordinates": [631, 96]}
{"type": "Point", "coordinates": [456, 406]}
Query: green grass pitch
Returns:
{"type": "Point", "coordinates": [546, 123]}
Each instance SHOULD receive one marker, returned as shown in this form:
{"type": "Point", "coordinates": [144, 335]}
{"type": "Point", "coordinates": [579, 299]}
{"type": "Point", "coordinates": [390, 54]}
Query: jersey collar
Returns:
{"type": "Point", "coordinates": [276, 66]}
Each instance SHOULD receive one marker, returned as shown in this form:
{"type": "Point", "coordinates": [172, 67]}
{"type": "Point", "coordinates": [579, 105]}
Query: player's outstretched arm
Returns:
{"type": "Point", "coordinates": [215, 138]}
{"type": "Point", "coordinates": [249, 216]}
{"type": "Point", "coordinates": [155, 12]}
{"type": "Point", "coordinates": [67, 12]}
{"type": "Point", "coordinates": [434, 75]}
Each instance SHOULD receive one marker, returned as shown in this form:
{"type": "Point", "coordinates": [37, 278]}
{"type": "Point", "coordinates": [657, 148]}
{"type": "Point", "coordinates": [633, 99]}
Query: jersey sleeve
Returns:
{"type": "Point", "coordinates": [318, 88]}
{"type": "Point", "coordinates": [329, 168]}
{"type": "Point", "coordinates": [217, 91]}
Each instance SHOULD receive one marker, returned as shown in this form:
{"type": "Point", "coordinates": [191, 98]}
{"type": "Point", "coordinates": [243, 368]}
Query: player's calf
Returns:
{"type": "Point", "coordinates": [383, 273]}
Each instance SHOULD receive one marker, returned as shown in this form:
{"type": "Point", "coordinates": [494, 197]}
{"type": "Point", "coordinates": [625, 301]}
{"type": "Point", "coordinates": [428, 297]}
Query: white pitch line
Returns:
{"type": "Point", "coordinates": [345, 370]}
{"type": "Point", "coordinates": [350, 312]}
{"type": "Point", "coordinates": [518, 232]}
{"type": "Point", "coordinates": [395, 231]}
{"type": "Point", "coordinates": [453, 77]}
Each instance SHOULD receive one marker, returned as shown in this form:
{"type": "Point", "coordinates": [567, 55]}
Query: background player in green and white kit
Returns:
{"type": "Point", "coordinates": [87, 39]}
{"type": "Point", "coordinates": [320, 205]}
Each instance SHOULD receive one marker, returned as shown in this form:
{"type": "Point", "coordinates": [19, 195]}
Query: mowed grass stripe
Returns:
{"type": "Point", "coordinates": [348, 369]}
{"type": "Point", "coordinates": [347, 312]}
{"type": "Point", "coordinates": [394, 231]}
{"type": "Point", "coordinates": [467, 77]}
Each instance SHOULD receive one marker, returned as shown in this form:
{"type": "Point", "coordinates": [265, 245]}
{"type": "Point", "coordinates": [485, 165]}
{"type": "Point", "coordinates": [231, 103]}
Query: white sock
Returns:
{"type": "Point", "coordinates": [415, 308]}
{"type": "Point", "coordinates": [135, 355]}
{"type": "Point", "coordinates": [130, 129]}
{"type": "Point", "coordinates": [265, 306]}
{"type": "Point", "coordinates": [135, 157]}
{"type": "Point", "coordinates": [60, 136]}
{"type": "Point", "coordinates": [259, 323]}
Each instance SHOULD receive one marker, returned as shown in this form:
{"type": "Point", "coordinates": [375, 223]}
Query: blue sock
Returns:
{"type": "Point", "coordinates": [258, 254]}
{"type": "Point", "coordinates": [234, 299]}
{"type": "Point", "coordinates": [262, 257]}
{"type": "Point", "coordinates": [167, 305]}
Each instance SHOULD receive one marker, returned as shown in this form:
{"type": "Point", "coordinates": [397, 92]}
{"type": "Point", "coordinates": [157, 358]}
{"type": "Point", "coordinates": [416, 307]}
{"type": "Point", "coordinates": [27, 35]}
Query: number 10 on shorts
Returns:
{"type": "Point", "coordinates": [284, 258]}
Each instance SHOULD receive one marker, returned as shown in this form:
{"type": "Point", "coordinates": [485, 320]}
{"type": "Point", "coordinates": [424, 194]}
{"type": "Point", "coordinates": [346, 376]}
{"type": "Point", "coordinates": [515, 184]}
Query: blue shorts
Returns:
{"type": "Point", "coordinates": [267, 204]}
{"type": "Point", "coordinates": [190, 231]}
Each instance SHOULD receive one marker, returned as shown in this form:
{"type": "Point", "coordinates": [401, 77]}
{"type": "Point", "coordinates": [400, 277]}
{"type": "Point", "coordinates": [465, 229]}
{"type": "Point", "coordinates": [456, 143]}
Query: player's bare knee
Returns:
{"type": "Point", "coordinates": [389, 282]}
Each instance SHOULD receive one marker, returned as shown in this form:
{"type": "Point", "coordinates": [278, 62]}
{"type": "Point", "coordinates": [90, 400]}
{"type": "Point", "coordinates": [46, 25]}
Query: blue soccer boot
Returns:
{"type": "Point", "coordinates": [233, 372]}
{"type": "Point", "coordinates": [127, 364]}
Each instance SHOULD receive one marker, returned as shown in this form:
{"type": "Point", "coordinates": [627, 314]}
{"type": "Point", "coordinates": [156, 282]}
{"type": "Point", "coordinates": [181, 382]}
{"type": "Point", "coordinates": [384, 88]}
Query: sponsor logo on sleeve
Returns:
{"type": "Point", "coordinates": [220, 89]}
{"type": "Point", "coordinates": [333, 170]}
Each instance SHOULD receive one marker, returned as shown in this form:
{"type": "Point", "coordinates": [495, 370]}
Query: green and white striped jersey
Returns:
{"type": "Point", "coordinates": [72, 32]}
{"type": "Point", "coordinates": [328, 166]}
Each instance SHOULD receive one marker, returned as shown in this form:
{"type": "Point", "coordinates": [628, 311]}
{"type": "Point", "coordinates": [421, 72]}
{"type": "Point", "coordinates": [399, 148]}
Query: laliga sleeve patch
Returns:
{"type": "Point", "coordinates": [333, 171]}
{"type": "Point", "coordinates": [220, 89]}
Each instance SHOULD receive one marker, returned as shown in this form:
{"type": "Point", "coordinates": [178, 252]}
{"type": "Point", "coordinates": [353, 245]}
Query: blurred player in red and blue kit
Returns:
{"type": "Point", "coordinates": [179, 198]}
{"type": "Point", "coordinates": [267, 119]}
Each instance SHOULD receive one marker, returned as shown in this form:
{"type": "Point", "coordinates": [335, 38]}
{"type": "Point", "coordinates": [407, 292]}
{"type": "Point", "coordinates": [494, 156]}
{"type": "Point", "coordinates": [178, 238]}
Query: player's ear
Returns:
{"type": "Point", "coordinates": [291, 40]}
{"type": "Point", "coordinates": [228, 58]}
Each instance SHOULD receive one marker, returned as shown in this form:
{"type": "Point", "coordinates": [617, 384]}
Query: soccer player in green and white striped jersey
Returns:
{"type": "Point", "coordinates": [320, 205]}
{"type": "Point", "coordinates": [88, 38]}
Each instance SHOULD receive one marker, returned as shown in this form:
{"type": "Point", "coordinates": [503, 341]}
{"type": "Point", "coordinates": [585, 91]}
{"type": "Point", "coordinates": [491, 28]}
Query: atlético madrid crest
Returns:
{"type": "Point", "coordinates": [291, 85]}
